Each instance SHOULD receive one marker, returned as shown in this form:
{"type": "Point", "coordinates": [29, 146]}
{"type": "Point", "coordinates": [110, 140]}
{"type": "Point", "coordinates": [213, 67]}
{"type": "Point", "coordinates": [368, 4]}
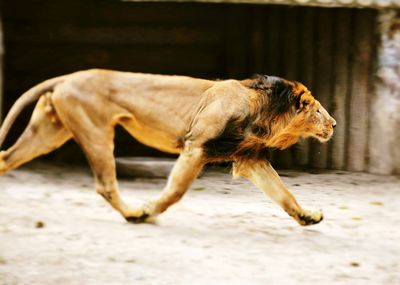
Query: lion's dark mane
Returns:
{"type": "Point", "coordinates": [276, 98]}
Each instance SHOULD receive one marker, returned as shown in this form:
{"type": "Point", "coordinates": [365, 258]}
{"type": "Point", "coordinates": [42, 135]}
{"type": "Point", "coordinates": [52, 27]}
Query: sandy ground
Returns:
{"type": "Point", "coordinates": [54, 229]}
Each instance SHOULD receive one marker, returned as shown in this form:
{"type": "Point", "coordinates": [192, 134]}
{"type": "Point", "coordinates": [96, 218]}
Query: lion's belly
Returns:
{"type": "Point", "coordinates": [157, 137]}
{"type": "Point", "coordinates": [160, 107]}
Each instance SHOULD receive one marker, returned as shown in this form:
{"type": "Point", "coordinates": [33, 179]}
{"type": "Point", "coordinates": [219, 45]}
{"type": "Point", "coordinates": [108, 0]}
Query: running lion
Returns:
{"type": "Point", "coordinates": [202, 120]}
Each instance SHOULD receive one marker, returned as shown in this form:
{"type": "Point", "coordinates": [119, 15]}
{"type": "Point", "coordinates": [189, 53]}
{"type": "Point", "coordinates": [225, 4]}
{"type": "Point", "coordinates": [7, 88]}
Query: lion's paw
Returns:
{"type": "Point", "coordinates": [310, 218]}
{"type": "Point", "coordinates": [141, 215]}
{"type": "Point", "coordinates": [137, 220]}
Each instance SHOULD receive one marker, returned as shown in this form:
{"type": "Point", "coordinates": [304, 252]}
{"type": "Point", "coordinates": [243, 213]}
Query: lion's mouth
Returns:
{"type": "Point", "coordinates": [324, 137]}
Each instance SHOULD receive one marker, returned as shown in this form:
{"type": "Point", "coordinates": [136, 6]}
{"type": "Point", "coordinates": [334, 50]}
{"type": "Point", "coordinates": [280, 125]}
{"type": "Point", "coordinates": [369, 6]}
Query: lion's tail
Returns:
{"type": "Point", "coordinates": [27, 98]}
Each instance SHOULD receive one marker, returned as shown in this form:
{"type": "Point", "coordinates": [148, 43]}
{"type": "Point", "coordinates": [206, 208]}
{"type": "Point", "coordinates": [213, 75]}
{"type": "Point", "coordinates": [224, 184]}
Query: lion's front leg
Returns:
{"type": "Point", "coordinates": [3, 166]}
{"type": "Point", "coordinates": [185, 170]}
{"type": "Point", "coordinates": [265, 177]}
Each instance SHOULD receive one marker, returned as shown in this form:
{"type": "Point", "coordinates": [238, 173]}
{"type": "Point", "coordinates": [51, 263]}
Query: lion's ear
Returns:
{"type": "Point", "coordinates": [303, 102]}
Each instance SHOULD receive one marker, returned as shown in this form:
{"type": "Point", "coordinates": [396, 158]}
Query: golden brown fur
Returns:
{"type": "Point", "coordinates": [202, 120]}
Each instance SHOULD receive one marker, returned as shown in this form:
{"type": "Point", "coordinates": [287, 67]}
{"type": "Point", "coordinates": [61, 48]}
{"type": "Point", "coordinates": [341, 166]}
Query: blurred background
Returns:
{"type": "Point", "coordinates": [346, 52]}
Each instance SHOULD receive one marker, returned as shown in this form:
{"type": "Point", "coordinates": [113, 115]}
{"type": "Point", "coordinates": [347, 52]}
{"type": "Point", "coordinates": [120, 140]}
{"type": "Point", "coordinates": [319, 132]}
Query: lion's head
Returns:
{"type": "Point", "coordinates": [286, 111]}
{"type": "Point", "coordinates": [311, 118]}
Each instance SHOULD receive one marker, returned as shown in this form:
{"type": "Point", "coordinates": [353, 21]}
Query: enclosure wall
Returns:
{"type": "Point", "coordinates": [332, 51]}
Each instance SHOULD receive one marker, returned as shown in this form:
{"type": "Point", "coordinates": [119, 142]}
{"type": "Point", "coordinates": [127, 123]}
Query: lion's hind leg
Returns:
{"type": "Point", "coordinates": [91, 118]}
{"type": "Point", "coordinates": [97, 142]}
{"type": "Point", "coordinates": [99, 152]}
{"type": "Point", "coordinates": [265, 177]}
{"type": "Point", "coordinates": [43, 134]}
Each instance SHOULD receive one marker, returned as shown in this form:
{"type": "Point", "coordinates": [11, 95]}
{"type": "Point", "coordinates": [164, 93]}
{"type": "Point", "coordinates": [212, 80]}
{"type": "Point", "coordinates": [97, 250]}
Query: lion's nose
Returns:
{"type": "Point", "coordinates": [333, 123]}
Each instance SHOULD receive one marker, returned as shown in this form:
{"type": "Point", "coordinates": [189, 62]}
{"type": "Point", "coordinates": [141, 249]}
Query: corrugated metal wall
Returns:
{"type": "Point", "coordinates": [332, 51]}
{"type": "Point", "coordinates": [329, 50]}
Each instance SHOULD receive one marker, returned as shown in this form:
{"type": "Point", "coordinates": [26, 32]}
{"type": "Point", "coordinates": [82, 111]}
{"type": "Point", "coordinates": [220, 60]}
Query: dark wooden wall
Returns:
{"type": "Point", "coordinates": [329, 50]}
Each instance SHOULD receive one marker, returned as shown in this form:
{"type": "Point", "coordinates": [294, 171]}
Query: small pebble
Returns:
{"type": "Point", "coordinates": [198, 188]}
{"type": "Point", "coordinates": [376, 203]}
{"type": "Point", "coordinates": [2, 260]}
{"type": "Point", "coordinates": [356, 218]}
{"type": "Point", "coordinates": [39, 224]}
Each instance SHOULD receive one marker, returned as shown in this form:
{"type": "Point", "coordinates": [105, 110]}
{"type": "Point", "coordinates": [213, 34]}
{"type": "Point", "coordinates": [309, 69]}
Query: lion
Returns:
{"type": "Point", "coordinates": [201, 120]}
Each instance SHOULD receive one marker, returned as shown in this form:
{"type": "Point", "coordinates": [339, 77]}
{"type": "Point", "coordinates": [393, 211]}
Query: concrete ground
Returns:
{"type": "Point", "coordinates": [54, 229]}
